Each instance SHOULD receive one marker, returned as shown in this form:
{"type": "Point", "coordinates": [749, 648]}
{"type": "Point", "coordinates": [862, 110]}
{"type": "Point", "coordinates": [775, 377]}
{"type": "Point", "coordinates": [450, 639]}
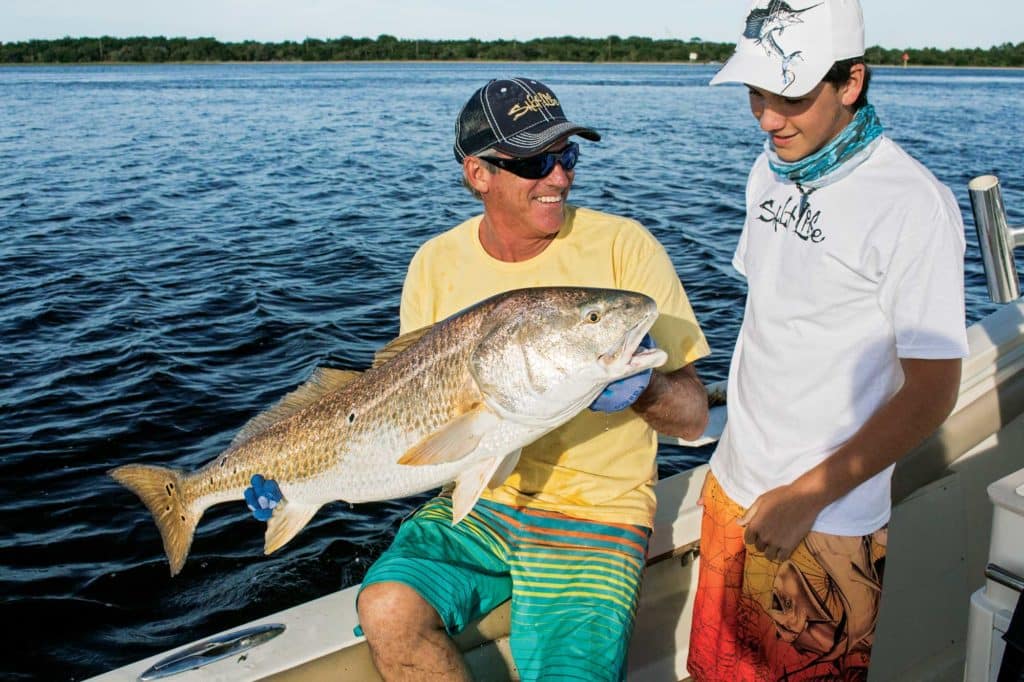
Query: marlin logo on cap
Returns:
{"type": "Point", "coordinates": [765, 26]}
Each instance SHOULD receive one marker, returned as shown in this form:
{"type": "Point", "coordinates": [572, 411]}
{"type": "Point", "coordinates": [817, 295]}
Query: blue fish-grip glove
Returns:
{"type": "Point", "coordinates": [620, 394]}
{"type": "Point", "coordinates": [262, 496]}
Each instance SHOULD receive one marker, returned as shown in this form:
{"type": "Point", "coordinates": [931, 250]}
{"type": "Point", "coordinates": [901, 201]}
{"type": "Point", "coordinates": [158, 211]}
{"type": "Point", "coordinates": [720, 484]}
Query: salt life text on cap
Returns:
{"type": "Point", "coordinates": [788, 47]}
{"type": "Point", "coordinates": [520, 117]}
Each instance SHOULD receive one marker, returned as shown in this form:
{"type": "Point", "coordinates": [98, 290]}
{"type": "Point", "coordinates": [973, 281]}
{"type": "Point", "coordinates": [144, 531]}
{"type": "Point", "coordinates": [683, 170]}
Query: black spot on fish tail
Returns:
{"type": "Point", "coordinates": [159, 489]}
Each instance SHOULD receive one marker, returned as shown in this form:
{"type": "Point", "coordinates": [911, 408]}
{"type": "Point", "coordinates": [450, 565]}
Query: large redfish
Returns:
{"type": "Point", "coordinates": [455, 401]}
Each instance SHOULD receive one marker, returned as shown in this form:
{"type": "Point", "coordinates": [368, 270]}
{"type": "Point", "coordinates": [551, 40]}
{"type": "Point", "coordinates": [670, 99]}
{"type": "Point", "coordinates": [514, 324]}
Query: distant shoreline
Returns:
{"type": "Point", "coordinates": [385, 48]}
{"type": "Point", "coordinates": [197, 62]}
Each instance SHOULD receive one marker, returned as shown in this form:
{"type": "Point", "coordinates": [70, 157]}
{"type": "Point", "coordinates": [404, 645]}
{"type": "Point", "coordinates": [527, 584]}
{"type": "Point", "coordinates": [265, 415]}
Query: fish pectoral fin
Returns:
{"type": "Point", "coordinates": [453, 441]}
{"type": "Point", "coordinates": [289, 518]}
{"type": "Point", "coordinates": [471, 483]}
{"type": "Point", "coordinates": [505, 469]}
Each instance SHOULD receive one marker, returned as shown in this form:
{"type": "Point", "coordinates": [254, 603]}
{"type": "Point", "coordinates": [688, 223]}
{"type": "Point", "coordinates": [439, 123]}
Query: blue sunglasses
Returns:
{"type": "Point", "coordinates": [540, 165]}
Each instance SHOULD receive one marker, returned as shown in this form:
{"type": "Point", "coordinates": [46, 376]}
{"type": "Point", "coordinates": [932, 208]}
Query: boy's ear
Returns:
{"type": "Point", "coordinates": [853, 86]}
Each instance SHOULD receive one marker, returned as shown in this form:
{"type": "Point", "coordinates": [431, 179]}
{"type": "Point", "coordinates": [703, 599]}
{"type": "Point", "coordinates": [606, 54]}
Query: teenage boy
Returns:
{"type": "Point", "coordinates": [848, 356]}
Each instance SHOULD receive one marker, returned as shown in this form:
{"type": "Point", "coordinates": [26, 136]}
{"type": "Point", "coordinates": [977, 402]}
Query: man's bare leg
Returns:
{"type": "Point", "coordinates": [406, 636]}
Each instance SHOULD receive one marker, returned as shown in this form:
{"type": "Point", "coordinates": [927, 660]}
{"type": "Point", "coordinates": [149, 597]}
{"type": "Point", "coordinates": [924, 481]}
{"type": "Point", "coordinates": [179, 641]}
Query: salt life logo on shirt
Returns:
{"type": "Point", "coordinates": [794, 215]}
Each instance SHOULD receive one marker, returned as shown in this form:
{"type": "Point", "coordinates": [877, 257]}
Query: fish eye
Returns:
{"type": "Point", "coordinates": [592, 315]}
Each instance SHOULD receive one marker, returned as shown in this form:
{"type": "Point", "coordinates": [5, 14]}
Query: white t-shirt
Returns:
{"type": "Point", "coordinates": [870, 271]}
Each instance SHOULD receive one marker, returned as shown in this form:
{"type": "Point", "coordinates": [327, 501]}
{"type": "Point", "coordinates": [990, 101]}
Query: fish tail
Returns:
{"type": "Point", "coordinates": [162, 491]}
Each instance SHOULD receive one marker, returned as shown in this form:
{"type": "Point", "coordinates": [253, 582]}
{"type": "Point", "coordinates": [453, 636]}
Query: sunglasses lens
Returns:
{"type": "Point", "coordinates": [570, 155]}
{"type": "Point", "coordinates": [539, 166]}
{"type": "Point", "coordinates": [536, 167]}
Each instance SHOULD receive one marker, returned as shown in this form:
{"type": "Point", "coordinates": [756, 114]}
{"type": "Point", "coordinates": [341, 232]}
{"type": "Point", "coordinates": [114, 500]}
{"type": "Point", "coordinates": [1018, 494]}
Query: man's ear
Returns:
{"type": "Point", "coordinates": [477, 177]}
{"type": "Point", "coordinates": [851, 90]}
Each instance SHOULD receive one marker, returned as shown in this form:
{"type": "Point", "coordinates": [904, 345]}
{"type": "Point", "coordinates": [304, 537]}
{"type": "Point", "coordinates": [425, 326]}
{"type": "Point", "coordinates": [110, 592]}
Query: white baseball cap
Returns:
{"type": "Point", "coordinates": [788, 47]}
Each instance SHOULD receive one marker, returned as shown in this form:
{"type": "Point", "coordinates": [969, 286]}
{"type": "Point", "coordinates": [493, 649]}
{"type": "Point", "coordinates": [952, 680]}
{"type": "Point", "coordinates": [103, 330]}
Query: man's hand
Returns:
{"type": "Point", "coordinates": [620, 394]}
{"type": "Point", "coordinates": [262, 496]}
{"type": "Point", "coordinates": [779, 520]}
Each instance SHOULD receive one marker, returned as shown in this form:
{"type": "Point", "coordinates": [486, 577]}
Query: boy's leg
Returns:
{"type": "Point", "coordinates": [715, 652]}
{"type": "Point", "coordinates": [807, 618]}
{"type": "Point", "coordinates": [813, 616]}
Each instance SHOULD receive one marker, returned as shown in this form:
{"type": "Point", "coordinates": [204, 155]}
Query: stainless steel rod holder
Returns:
{"type": "Point", "coordinates": [1004, 577]}
{"type": "Point", "coordinates": [996, 238]}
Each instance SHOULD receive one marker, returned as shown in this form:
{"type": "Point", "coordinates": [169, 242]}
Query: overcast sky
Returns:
{"type": "Point", "coordinates": [890, 23]}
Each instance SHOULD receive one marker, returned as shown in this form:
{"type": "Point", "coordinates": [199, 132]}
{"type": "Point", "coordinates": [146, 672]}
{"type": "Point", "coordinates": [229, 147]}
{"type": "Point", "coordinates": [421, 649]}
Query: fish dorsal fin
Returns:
{"type": "Point", "coordinates": [288, 519]}
{"type": "Point", "coordinates": [323, 381]}
{"type": "Point", "coordinates": [453, 441]}
{"type": "Point", "coordinates": [470, 484]}
{"type": "Point", "coordinates": [397, 345]}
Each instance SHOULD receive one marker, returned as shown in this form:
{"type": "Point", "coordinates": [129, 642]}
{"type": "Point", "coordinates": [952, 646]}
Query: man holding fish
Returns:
{"type": "Point", "coordinates": [513, 324]}
{"type": "Point", "coordinates": [564, 533]}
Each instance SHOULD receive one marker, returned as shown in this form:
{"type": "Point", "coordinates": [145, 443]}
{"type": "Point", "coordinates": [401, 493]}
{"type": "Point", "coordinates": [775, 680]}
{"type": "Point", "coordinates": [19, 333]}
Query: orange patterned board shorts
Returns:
{"type": "Point", "coordinates": [810, 617]}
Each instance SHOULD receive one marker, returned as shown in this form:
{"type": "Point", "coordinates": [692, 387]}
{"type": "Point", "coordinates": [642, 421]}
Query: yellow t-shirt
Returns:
{"type": "Point", "coordinates": [598, 466]}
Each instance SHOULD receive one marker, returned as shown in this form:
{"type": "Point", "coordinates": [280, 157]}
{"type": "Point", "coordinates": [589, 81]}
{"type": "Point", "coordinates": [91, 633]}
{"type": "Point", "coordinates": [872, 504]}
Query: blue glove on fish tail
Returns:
{"type": "Point", "coordinates": [262, 496]}
{"type": "Point", "coordinates": [618, 395]}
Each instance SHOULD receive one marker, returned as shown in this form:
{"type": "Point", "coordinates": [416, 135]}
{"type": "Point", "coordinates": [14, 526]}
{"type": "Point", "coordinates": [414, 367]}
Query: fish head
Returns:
{"type": "Point", "coordinates": [546, 353]}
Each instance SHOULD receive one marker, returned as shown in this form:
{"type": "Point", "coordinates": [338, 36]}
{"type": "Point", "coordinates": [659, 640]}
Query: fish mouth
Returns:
{"type": "Point", "coordinates": [627, 357]}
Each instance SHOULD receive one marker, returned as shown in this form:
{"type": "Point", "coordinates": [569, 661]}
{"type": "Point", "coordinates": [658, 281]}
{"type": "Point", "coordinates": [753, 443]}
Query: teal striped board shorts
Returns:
{"type": "Point", "coordinates": [574, 584]}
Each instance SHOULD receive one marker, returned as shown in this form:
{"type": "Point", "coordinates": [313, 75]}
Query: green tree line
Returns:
{"type": "Point", "coordinates": [107, 49]}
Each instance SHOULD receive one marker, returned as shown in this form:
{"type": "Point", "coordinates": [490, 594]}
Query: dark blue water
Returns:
{"type": "Point", "coordinates": [181, 245]}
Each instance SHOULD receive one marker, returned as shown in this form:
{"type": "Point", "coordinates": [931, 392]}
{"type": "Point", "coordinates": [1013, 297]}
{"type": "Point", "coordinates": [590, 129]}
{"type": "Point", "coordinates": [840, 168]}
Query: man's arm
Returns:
{"type": "Point", "coordinates": [779, 519]}
{"type": "Point", "coordinates": [675, 404]}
